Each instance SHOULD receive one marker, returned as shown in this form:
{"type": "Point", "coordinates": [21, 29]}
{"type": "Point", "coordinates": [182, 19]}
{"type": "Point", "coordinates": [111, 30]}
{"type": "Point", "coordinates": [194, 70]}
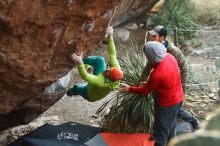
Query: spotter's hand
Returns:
{"type": "Point", "coordinates": [124, 88]}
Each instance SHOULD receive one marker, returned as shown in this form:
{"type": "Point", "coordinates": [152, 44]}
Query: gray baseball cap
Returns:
{"type": "Point", "coordinates": [154, 51]}
{"type": "Point", "coordinates": [156, 30]}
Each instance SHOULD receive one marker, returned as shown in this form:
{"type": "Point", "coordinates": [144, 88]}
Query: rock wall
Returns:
{"type": "Point", "coordinates": [131, 9]}
{"type": "Point", "coordinates": [36, 40]}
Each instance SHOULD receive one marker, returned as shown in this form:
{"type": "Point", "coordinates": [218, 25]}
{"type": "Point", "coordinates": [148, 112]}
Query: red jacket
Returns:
{"type": "Point", "coordinates": [166, 81]}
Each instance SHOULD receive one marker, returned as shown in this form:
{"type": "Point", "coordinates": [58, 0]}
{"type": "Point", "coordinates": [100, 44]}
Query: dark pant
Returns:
{"type": "Point", "coordinates": [186, 116]}
{"type": "Point", "coordinates": [165, 123]}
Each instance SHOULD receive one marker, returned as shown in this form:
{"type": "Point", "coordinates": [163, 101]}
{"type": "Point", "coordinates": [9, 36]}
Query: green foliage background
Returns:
{"type": "Point", "coordinates": [177, 14]}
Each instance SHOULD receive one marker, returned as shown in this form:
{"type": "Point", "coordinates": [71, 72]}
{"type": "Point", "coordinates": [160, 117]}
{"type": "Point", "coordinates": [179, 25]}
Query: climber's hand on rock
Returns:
{"type": "Point", "coordinates": [77, 58]}
{"type": "Point", "coordinates": [110, 30]}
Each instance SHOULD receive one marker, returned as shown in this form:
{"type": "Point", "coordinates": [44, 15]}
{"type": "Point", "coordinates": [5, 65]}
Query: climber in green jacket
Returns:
{"type": "Point", "coordinates": [103, 80]}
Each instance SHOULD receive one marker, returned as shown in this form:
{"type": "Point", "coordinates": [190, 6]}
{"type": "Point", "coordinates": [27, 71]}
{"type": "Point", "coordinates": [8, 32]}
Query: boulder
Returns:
{"type": "Point", "coordinates": [36, 40]}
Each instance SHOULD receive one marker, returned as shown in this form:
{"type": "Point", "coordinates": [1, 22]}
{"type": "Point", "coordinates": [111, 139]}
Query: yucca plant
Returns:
{"type": "Point", "coordinates": [177, 13]}
{"type": "Point", "coordinates": [129, 113]}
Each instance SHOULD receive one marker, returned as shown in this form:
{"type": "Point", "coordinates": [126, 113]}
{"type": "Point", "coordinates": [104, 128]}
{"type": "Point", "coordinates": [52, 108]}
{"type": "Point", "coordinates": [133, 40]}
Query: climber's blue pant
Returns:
{"type": "Point", "coordinates": [97, 62]}
{"type": "Point", "coordinates": [99, 66]}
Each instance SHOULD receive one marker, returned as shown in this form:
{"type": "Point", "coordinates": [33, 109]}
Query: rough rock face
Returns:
{"type": "Point", "coordinates": [130, 9]}
{"type": "Point", "coordinates": [36, 40]}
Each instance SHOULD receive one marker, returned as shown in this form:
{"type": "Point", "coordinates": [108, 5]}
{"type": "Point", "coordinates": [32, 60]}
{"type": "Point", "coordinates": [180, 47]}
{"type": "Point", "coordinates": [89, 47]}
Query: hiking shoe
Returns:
{"type": "Point", "coordinates": [196, 125]}
{"type": "Point", "coordinates": [72, 91]}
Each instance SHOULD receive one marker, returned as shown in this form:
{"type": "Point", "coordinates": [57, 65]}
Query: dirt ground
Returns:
{"type": "Point", "coordinates": [76, 109]}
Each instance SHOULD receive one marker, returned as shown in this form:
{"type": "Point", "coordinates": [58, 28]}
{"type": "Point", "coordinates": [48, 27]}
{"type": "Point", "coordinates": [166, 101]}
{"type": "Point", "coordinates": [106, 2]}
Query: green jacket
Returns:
{"type": "Point", "coordinates": [100, 86]}
{"type": "Point", "coordinates": [181, 60]}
